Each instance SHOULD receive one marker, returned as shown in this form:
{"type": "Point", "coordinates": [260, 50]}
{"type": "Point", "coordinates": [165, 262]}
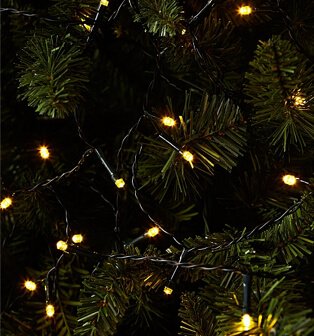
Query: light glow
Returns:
{"type": "Point", "coordinates": [119, 183]}
{"type": "Point", "coordinates": [44, 152]}
{"type": "Point", "coordinates": [77, 238]}
{"type": "Point", "coordinates": [245, 10]}
{"type": "Point", "coordinates": [62, 245]}
{"type": "Point", "coordinates": [30, 285]}
{"type": "Point", "coordinates": [104, 3]}
{"type": "Point", "coordinates": [168, 290]}
{"type": "Point", "coordinates": [188, 156]}
{"type": "Point", "coordinates": [152, 232]}
{"type": "Point", "coordinates": [50, 310]}
{"type": "Point", "coordinates": [247, 322]}
{"type": "Point", "coordinates": [168, 121]}
{"type": "Point", "coordinates": [5, 203]}
{"type": "Point", "coordinates": [289, 180]}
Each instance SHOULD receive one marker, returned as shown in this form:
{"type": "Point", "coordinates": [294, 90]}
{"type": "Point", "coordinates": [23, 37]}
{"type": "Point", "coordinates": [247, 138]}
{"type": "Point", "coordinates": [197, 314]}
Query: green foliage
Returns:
{"type": "Point", "coordinates": [197, 318]}
{"type": "Point", "coordinates": [280, 87]}
{"type": "Point", "coordinates": [161, 17]}
{"type": "Point", "coordinates": [53, 76]}
{"type": "Point", "coordinates": [213, 131]}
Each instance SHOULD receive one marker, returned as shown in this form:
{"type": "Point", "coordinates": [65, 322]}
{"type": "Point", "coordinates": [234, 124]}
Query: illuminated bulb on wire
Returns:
{"type": "Point", "coordinates": [247, 322]}
{"type": "Point", "coordinates": [44, 152]}
{"type": "Point", "coordinates": [77, 238]}
{"type": "Point", "coordinates": [168, 121]}
{"type": "Point", "coordinates": [104, 3]}
{"type": "Point", "coordinates": [168, 290]}
{"type": "Point", "coordinates": [188, 156]}
{"type": "Point", "coordinates": [152, 232]}
{"type": "Point", "coordinates": [119, 183]}
{"type": "Point", "coordinates": [50, 310]}
{"type": "Point", "coordinates": [289, 180]}
{"type": "Point", "coordinates": [5, 203]}
{"type": "Point", "coordinates": [245, 10]}
{"type": "Point", "coordinates": [30, 285]}
{"type": "Point", "coordinates": [62, 245]}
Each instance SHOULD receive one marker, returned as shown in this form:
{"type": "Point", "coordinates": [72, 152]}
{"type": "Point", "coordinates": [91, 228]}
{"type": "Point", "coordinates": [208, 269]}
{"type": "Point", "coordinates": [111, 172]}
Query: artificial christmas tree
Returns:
{"type": "Point", "coordinates": [156, 168]}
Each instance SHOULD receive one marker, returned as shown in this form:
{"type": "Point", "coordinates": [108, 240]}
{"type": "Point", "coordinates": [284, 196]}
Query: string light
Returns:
{"type": "Point", "coordinates": [30, 285]}
{"type": "Point", "coordinates": [50, 310]}
{"type": "Point", "coordinates": [245, 10]}
{"type": "Point", "coordinates": [77, 238]}
{"type": "Point", "coordinates": [104, 3]}
{"type": "Point", "coordinates": [44, 152]}
{"type": "Point", "coordinates": [183, 31]}
{"type": "Point", "coordinates": [62, 245]}
{"type": "Point", "coordinates": [289, 180]}
{"type": "Point", "coordinates": [299, 101]}
{"type": "Point", "coordinates": [5, 203]}
{"type": "Point", "coordinates": [247, 322]}
{"type": "Point", "coordinates": [119, 183]}
{"type": "Point", "coordinates": [188, 156]}
{"type": "Point", "coordinates": [168, 121]}
{"type": "Point", "coordinates": [152, 232]}
{"type": "Point", "coordinates": [168, 290]}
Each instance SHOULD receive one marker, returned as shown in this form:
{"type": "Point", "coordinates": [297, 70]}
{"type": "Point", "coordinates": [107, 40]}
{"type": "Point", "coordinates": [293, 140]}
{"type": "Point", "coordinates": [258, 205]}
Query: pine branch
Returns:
{"type": "Point", "coordinates": [53, 76]}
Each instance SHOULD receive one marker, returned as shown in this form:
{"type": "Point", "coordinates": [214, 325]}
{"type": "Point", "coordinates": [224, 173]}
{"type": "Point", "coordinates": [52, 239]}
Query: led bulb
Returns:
{"type": "Point", "coordinates": [50, 310]}
{"type": "Point", "coordinates": [168, 121]}
{"type": "Point", "coordinates": [77, 238]}
{"type": "Point", "coordinates": [5, 203]}
{"type": "Point", "coordinates": [119, 183]}
{"type": "Point", "coordinates": [104, 3]}
{"type": "Point", "coordinates": [289, 180]}
{"type": "Point", "coordinates": [299, 101]}
{"type": "Point", "coordinates": [62, 245]}
{"type": "Point", "coordinates": [30, 285]}
{"type": "Point", "coordinates": [245, 10]}
{"type": "Point", "coordinates": [247, 322]}
{"type": "Point", "coordinates": [168, 290]}
{"type": "Point", "coordinates": [183, 31]}
{"type": "Point", "coordinates": [44, 152]}
{"type": "Point", "coordinates": [152, 232]}
{"type": "Point", "coordinates": [188, 156]}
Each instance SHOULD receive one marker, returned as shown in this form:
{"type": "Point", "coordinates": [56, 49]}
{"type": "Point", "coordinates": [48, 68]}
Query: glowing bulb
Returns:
{"type": "Point", "coordinates": [188, 156]}
{"type": "Point", "coordinates": [50, 310]}
{"type": "Point", "coordinates": [44, 152]}
{"type": "Point", "coordinates": [104, 3]}
{"type": "Point", "coordinates": [168, 121]}
{"type": "Point", "coordinates": [85, 25]}
{"type": "Point", "coordinates": [299, 101]}
{"type": "Point", "coordinates": [247, 322]}
{"type": "Point", "coordinates": [183, 31]}
{"type": "Point", "coordinates": [152, 232]}
{"type": "Point", "coordinates": [168, 290]}
{"type": "Point", "coordinates": [62, 245]}
{"type": "Point", "coordinates": [245, 10]}
{"type": "Point", "coordinates": [30, 285]}
{"type": "Point", "coordinates": [119, 183]}
{"type": "Point", "coordinates": [289, 179]}
{"type": "Point", "coordinates": [5, 203]}
{"type": "Point", "coordinates": [77, 238]}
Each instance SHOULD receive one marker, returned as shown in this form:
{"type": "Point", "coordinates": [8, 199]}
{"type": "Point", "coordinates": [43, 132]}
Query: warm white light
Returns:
{"type": "Point", "coordinates": [168, 290]}
{"type": "Point", "coordinates": [188, 156]}
{"type": "Point", "coordinates": [299, 101]}
{"type": "Point", "coordinates": [104, 3]}
{"type": "Point", "coordinates": [152, 232]}
{"type": "Point", "coordinates": [5, 203]}
{"type": "Point", "coordinates": [168, 121]}
{"type": "Point", "coordinates": [183, 31]}
{"type": "Point", "coordinates": [289, 180]}
{"type": "Point", "coordinates": [30, 285]}
{"type": "Point", "coordinates": [245, 10]}
{"type": "Point", "coordinates": [77, 238]}
{"type": "Point", "coordinates": [44, 152]}
{"type": "Point", "coordinates": [62, 245]}
{"type": "Point", "coordinates": [119, 183]}
{"type": "Point", "coordinates": [247, 322]}
{"type": "Point", "coordinates": [50, 310]}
